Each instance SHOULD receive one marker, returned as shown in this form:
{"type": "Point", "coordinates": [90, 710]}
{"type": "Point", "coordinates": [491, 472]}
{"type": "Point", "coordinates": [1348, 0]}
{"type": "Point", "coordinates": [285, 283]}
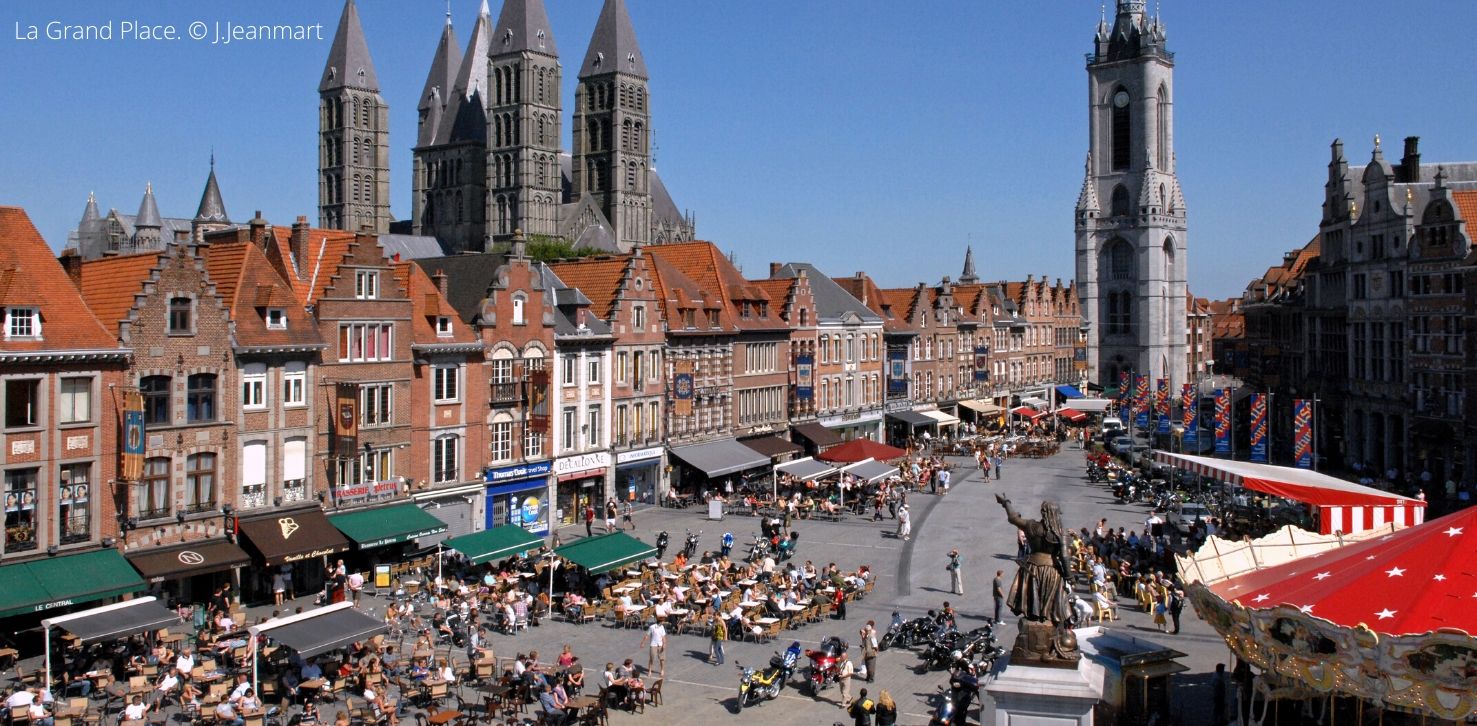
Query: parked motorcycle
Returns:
{"type": "Point", "coordinates": [767, 683]}
{"type": "Point", "coordinates": [661, 544]}
{"type": "Point", "coordinates": [758, 549]}
{"type": "Point", "coordinates": [943, 711]}
{"type": "Point", "coordinates": [690, 547]}
{"type": "Point", "coordinates": [727, 543]}
{"type": "Point", "coordinates": [825, 665]}
{"type": "Point", "coordinates": [908, 634]}
{"type": "Point", "coordinates": [786, 546]}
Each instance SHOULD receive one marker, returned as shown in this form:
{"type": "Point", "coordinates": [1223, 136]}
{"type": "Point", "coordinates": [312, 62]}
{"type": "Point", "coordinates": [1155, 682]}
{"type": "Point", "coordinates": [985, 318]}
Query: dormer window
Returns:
{"type": "Point", "coordinates": [443, 326]}
{"type": "Point", "coordinates": [712, 318]}
{"type": "Point", "coordinates": [276, 319]}
{"type": "Point", "coordinates": [22, 323]}
{"type": "Point", "coordinates": [689, 318]}
{"type": "Point", "coordinates": [366, 284]}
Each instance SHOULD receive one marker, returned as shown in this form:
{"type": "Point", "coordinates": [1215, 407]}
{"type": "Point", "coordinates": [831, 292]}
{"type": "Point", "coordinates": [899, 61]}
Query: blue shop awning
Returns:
{"type": "Point", "coordinates": [1068, 392]}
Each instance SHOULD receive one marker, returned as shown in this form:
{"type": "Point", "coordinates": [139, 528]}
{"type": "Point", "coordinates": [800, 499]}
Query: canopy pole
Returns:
{"type": "Point", "coordinates": [255, 683]}
{"type": "Point", "coordinates": [47, 644]}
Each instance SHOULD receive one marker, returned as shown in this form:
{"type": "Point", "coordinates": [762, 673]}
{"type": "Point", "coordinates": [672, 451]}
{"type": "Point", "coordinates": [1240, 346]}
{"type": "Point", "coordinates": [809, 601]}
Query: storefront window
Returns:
{"type": "Point", "coordinates": [20, 510]}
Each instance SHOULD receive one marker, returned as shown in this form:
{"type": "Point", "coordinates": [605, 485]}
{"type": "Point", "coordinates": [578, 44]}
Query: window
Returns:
{"type": "Point", "coordinates": [294, 383]}
{"type": "Point", "coordinates": [594, 438]}
{"type": "Point", "coordinates": [593, 375]}
{"type": "Point", "coordinates": [1122, 133]}
{"type": "Point", "coordinates": [20, 509]}
{"type": "Point", "coordinates": [376, 404]}
{"type": "Point", "coordinates": [519, 303]}
{"type": "Point", "coordinates": [254, 386]}
{"type": "Point", "coordinates": [276, 319]}
{"type": "Point", "coordinates": [254, 474]}
{"type": "Point", "coordinates": [22, 323]}
{"type": "Point", "coordinates": [365, 341]}
{"type": "Point", "coordinates": [181, 316]}
{"type": "Point", "coordinates": [366, 284]}
{"type": "Point", "coordinates": [295, 469]}
{"type": "Point", "coordinates": [444, 458]}
{"type": "Point", "coordinates": [653, 421]}
{"type": "Point", "coordinates": [200, 398]}
{"type": "Point", "coordinates": [153, 497]}
{"type": "Point", "coordinates": [200, 482]}
{"type": "Point", "coordinates": [638, 317]}
{"type": "Point", "coordinates": [638, 370]}
{"type": "Point", "coordinates": [571, 424]}
{"type": "Point", "coordinates": [622, 421]}
{"type": "Point", "coordinates": [74, 405]}
{"type": "Point", "coordinates": [1120, 260]}
{"type": "Point", "coordinates": [22, 402]}
{"type": "Point", "coordinates": [367, 468]}
{"type": "Point", "coordinates": [533, 443]}
{"type": "Point", "coordinates": [443, 326]}
{"type": "Point", "coordinates": [502, 441]}
{"type": "Point", "coordinates": [570, 364]}
{"type": "Point", "coordinates": [74, 516]}
{"type": "Point", "coordinates": [446, 378]}
{"type": "Point", "coordinates": [712, 318]}
{"type": "Point", "coordinates": [622, 366]}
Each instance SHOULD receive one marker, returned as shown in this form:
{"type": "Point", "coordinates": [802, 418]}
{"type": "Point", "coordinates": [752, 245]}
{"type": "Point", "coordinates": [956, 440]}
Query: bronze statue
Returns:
{"type": "Point", "coordinates": [1040, 593]}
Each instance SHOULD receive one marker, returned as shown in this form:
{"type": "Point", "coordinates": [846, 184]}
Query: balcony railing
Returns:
{"type": "Point", "coordinates": [508, 394]}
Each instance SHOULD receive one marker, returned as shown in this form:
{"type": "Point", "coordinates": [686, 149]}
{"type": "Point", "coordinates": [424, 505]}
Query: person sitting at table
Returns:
{"type": "Point", "coordinates": [635, 687]}
{"type": "Point", "coordinates": [309, 714]}
{"type": "Point", "coordinates": [185, 663]}
{"type": "Point", "coordinates": [444, 672]}
{"type": "Point", "coordinates": [552, 712]}
{"type": "Point", "coordinates": [419, 671]}
{"type": "Point", "coordinates": [341, 719]}
{"type": "Point", "coordinates": [167, 685]}
{"type": "Point", "coordinates": [249, 703]}
{"type": "Point", "coordinates": [574, 606]}
{"type": "Point", "coordinates": [574, 677]}
{"type": "Point", "coordinates": [566, 657]}
{"type": "Point", "coordinates": [135, 710]}
{"type": "Point", "coordinates": [383, 709]}
{"type": "Point", "coordinates": [242, 686]}
{"type": "Point", "coordinates": [226, 713]}
{"type": "Point", "coordinates": [680, 561]}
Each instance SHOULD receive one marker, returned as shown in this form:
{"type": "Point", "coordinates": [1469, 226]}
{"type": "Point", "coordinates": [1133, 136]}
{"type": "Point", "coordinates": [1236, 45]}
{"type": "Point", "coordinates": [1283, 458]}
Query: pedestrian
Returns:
{"type": "Point", "coordinates": [998, 591]}
{"type": "Point", "coordinates": [904, 523]}
{"type": "Point", "coordinates": [869, 649]}
{"type": "Point", "coordinates": [956, 577]}
{"type": "Point", "coordinates": [589, 519]}
{"type": "Point", "coordinates": [1176, 606]}
{"type": "Point", "coordinates": [628, 517]}
{"type": "Point", "coordinates": [655, 641]}
{"type": "Point", "coordinates": [715, 646]}
{"type": "Point", "coordinates": [999, 464]}
{"type": "Point", "coordinates": [944, 476]}
{"type": "Point", "coordinates": [279, 588]}
{"type": "Point", "coordinates": [844, 671]}
{"type": "Point", "coordinates": [861, 711]}
{"type": "Point", "coordinates": [886, 709]}
{"type": "Point", "coordinates": [1218, 695]}
{"type": "Point", "coordinates": [610, 514]}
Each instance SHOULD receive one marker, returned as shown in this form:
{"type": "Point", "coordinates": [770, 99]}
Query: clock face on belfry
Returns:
{"type": "Point", "coordinates": [1120, 99]}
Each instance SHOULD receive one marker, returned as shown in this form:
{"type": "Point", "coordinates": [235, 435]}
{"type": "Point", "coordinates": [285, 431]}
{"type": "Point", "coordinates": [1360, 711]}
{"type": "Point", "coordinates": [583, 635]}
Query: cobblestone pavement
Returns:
{"type": "Point", "coordinates": [911, 579]}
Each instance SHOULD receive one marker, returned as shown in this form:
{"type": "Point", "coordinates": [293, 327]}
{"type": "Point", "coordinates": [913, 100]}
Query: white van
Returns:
{"type": "Point", "coordinates": [1112, 427]}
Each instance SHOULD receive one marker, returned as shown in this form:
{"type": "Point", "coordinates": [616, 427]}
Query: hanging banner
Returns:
{"type": "Point", "coordinates": [346, 420]}
{"type": "Point", "coordinates": [1079, 356]}
{"type": "Point", "coordinates": [1125, 395]}
{"type": "Point", "coordinates": [133, 436]}
{"type": "Point", "coordinates": [1161, 405]}
{"type": "Point", "coordinates": [1141, 403]}
{"type": "Point", "coordinates": [1302, 433]}
{"type": "Point", "coordinates": [804, 377]}
{"type": "Point", "coordinates": [1222, 420]}
{"type": "Point", "coordinates": [982, 363]}
{"type": "Point", "coordinates": [897, 372]}
{"type": "Point", "coordinates": [1190, 417]}
{"type": "Point", "coordinates": [539, 416]}
{"type": "Point", "coordinates": [1259, 428]}
{"type": "Point", "coordinates": [682, 387]}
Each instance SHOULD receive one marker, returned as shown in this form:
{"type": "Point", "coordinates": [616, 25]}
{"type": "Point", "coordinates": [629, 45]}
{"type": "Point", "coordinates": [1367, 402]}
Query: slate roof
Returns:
{"type": "Point", "coordinates": [468, 278]}
{"type": "Point", "coordinates": [864, 289]}
{"type": "Point", "coordinates": [410, 246]}
{"type": "Point", "coordinates": [439, 82]}
{"type": "Point", "coordinates": [465, 118]}
{"type": "Point", "coordinates": [663, 208]}
{"type": "Point", "coordinates": [148, 210]}
{"type": "Point", "coordinates": [523, 26]}
{"type": "Point", "coordinates": [832, 302]}
{"type": "Point", "coordinates": [31, 276]}
{"type": "Point", "coordinates": [613, 46]}
{"type": "Point", "coordinates": [348, 63]}
{"type": "Point", "coordinates": [212, 208]}
{"type": "Point", "coordinates": [248, 285]}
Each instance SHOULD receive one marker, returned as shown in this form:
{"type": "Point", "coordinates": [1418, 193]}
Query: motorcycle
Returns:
{"type": "Point", "coordinates": [727, 543]}
{"type": "Point", "coordinates": [754, 684]}
{"type": "Point", "coordinates": [825, 664]}
{"type": "Point", "coordinates": [690, 547]}
{"type": "Point", "coordinates": [943, 713]}
{"type": "Point", "coordinates": [661, 544]}
{"type": "Point", "coordinates": [786, 547]}
{"type": "Point", "coordinates": [758, 549]}
{"type": "Point", "coordinates": [910, 633]}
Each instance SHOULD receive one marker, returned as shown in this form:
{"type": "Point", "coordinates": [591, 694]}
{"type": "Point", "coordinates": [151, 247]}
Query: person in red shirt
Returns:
{"type": "Point", "coordinates": [589, 520]}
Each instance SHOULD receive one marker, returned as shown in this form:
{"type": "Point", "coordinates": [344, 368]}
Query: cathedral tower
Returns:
{"type": "Point", "coordinates": [524, 189]}
{"type": "Point", "coordinates": [1131, 264]}
{"type": "Point", "coordinates": [612, 127]}
{"type": "Point", "coordinates": [353, 135]}
{"type": "Point", "coordinates": [429, 112]}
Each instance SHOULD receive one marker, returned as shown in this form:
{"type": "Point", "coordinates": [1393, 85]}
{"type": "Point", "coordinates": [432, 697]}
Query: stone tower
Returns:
{"type": "Point", "coordinates": [612, 127]}
{"type": "Point", "coordinates": [1131, 265]}
{"type": "Point", "coordinates": [524, 189]}
{"type": "Point", "coordinates": [429, 112]}
{"type": "Point", "coordinates": [211, 214]}
{"type": "Point", "coordinates": [353, 135]}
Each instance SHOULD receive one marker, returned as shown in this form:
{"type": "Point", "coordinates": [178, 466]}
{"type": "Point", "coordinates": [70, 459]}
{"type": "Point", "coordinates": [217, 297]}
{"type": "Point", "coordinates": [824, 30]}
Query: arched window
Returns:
{"type": "Point", "coordinates": [518, 309]}
{"type": "Point", "coordinates": [1163, 118]}
{"type": "Point", "coordinates": [1122, 135]}
{"type": "Point", "coordinates": [1119, 206]}
{"type": "Point", "coordinates": [1119, 256]}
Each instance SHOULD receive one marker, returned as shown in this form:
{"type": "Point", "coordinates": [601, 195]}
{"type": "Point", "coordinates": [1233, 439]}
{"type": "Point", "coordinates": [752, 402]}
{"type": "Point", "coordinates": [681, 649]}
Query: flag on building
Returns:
{"type": "Point", "coordinates": [1222, 420]}
{"type": "Point", "coordinates": [1161, 405]}
{"type": "Point", "coordinates": [1190, 416]}
{"type": "Point", "coordinates": [1141, 403]}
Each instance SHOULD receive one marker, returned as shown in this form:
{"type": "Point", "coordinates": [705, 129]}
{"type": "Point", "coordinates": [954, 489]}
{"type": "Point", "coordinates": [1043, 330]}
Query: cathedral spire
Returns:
{"type": "Point", "coordinates": [212, 207]}
{"type": "Point", "coordinates": [613, 46]}
{"type": "Point", "coordinates": [523, 25]}
{"type": "Point", "coordinates": [89, 213]}
{"type": "Point", "coordinates": [349, 65]}
{"type": "Point", "coordinates": [968, 277]}
{"type": "Point", "coordinates": [439, 80]}
{"type": "Point", "coordinates": [465, 119]}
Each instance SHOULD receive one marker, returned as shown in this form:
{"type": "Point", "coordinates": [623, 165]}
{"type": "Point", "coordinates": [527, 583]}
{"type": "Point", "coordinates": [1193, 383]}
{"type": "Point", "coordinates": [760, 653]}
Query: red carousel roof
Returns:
{"type": "Point", "coordinates": [1413, 581]}
{"type": "Point", "coordinates": [859, 449]}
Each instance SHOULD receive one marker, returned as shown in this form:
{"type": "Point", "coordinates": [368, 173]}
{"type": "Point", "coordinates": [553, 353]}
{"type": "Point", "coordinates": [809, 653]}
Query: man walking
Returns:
{"type": "Point", "coordinates": [997, 590]}
{"type": "Point", "coordinates": [715, 647]}
{"type": "Point", "coordinates": [656, 637]}
{"type": "Point", "coordinates": [1176, 605]}
{"type": "Point", "coordinates": [944, 476]}
{"type": "Point", "coordinates": [999, 463]}
{"type": "Point", "coordinates": [845, 671]}
{"type": "Point", "coordinates": [869, 649]}
{"type": "Point", "coordinates": [956, 578]}
{"type": "Point", "coordinates": [904, 523]}
{"type": "Point", "coordinates": [589, 520]}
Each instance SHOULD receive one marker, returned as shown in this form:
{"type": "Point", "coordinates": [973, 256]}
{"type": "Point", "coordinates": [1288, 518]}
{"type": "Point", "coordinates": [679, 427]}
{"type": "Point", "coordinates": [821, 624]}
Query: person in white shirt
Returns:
{"type": "Point", "coordinates": [184, 663]}
{"type": "Point", "coordinates": [21, 699]}
{"type": "Point", "coordinates": [656, 635]}
{"type": "Point", "coordinates": [135, 711]}
{"type": "Point", "coordinates": [356, 584]}
{"type": "Point", "coordinates": [242, 686]}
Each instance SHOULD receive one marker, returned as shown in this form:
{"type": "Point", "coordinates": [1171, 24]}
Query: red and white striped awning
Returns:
{"type": "Point", "coordinates": [1342, 506]}
{"type": "Point", "coordinates": [1027, 412]}
{"type": "Point", "coordinates": [1071, 414]}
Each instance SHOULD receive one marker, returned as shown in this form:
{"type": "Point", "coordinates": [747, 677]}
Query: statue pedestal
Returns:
{"type": "Point", "coordinates": [1035, 696]}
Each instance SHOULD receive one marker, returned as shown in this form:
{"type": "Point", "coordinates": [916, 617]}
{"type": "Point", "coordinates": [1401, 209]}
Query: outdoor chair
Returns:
{"type": "Point", "coordinates": [654, 694]}
{"type": "Point", "coordinates": [20, 715]}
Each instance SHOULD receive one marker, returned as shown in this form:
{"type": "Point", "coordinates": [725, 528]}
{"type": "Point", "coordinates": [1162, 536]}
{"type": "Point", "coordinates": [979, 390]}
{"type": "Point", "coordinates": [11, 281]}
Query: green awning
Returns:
{"type": "Point", "coordinates": [606, 552]}
{"type": "Point", "coordinates": [386, 526]}
{"type": "Point", "coordinates": [40, 585]}
{"type": "Point", "coordinates": [494, 544]}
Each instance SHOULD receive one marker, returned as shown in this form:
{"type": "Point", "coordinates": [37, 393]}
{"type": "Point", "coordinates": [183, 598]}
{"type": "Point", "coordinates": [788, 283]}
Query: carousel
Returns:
{"type": "Point", "coordinates": [1373, 627]}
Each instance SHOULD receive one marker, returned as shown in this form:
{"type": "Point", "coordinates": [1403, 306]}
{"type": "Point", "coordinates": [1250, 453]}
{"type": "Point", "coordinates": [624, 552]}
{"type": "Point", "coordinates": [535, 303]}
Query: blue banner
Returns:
{"type": "Point", "coordinates": [1259, 428]}
{"type": "Point", "coordinates": [1161, 405]}
{"type": "Point", "coordinates": [804, 377]}
{"type": "Point", "coordinates": [1302, 433]}
{"type": "Point", "coordinates": [897, 372]}
{"type": "Point", "coordinates": [1190, 417]}
{"type": "Point", "coordinates": [1222, 420]}
{"type": "Point", "coordinates": [1141, 403]}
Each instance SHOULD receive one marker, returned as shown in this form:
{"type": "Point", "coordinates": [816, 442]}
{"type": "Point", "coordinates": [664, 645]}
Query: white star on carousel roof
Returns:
{"type": "Point", "coordinates": [1370, 557]}
{"type": "Point", "coordinates": [1386, 614]}
{"type": "Point", "coordinates": [1305, 609]}
{"type": "Point", "coordinates": [1439, 578]}
{"type": "Point", "coordinates": [1395, 572]}
{"type": "Point", "coordinates": [1265, 597]}
{"type": "Point", "coordinates": [1453, 531]}
{"type": "Point", "coordinates": [1321, 576]}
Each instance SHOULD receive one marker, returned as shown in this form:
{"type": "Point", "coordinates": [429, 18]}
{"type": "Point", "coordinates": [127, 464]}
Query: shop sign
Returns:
{"type": "Point", "coordinates": [354, 492]}
{"type": "Point", "coordinates": [582, 463]}
{"type": "Point", "coordinates": [626, 457]}
{"type": "Point", "coordinates": [521, 471]}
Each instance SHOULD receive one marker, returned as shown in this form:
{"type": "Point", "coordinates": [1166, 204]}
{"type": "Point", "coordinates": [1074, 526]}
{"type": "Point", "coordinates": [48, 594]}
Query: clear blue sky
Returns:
{"type": "Point", "coordinates": [871, 135]}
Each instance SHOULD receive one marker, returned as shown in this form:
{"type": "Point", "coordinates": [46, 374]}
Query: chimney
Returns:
{"type": "Point", "coordinates": [1410, 164]}
{"type": "Point", "coordinates": [440, 279]}
{"type": "Point", "coordinates": [297, 245]}
{"type": "Point", "coordinates": [774, 270]}
{"type": "Point", "coordinates": [181, 236]}
{"type": "Point", "coordinates": [258, 229]}
{"type": "Point", "coordinates": [72, 263]}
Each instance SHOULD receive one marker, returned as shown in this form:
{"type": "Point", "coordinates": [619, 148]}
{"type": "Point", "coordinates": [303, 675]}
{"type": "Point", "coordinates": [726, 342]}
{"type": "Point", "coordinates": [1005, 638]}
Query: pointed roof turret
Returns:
{"type": "Point", "coordinates": [348, 63]}
{"type": "Point", "coordinates": [212, 207]}
{"type": "Point", "coordinates": [465, 119]}
{"type": "Point", "coordinates": [1087, 199]}
{"type": "Point", "coordinates": [613, 46]}
{"type": "Point", "coordinates": [523, 25]}
{"type": "Point", "coordinates": [439, 83]}
{"type": "Point", "coordinates": [89, 213]}
{"type": "Point", "coordinates": [968, 277]}
{"type": "Point", "coordinates": [148, 210]}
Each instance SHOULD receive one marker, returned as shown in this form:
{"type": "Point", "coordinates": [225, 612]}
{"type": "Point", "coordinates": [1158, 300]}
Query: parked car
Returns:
{"type": "Point", "coordinates": [1183, 514]}
{"type": "Point", "coordinates": [1120, 445]}
{"type": "Point", "coordinates": [1112, 427]}
{"type": "Point", "coordinates": [1141, 455]}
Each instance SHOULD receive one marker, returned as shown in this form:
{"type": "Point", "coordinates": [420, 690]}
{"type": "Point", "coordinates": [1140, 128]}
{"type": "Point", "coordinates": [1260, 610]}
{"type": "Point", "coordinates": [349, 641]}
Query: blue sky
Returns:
{"type": "Point", "coordinates": [864, 135]}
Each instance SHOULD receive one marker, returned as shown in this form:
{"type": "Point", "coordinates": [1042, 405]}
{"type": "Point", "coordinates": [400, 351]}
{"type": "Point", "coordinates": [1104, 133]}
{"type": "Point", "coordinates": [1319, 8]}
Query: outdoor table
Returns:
{"type": "Point", "coordinates": [580, 703]}
{"type": "Point", "coordinates": [670, 576]}
{"type": "Point", "coordinates": [724, 593]}
{"type": "Point", "coordinates": [444, 717]}
{"type": "Point", "coordinates": [749, 604]}
{"type": "Point", "coordinates": [767, 621]}
{"type": "Point", "coordinates": [748, 583]}
{"type": "Point", "coordinates": [678, 611]}
{"type": "Point", "coordinates": [804, 602]}
{"type": "Point", "coordinates": [633, 573]}
{"type": "Point", "coordinates": [681, 589]}
{"type": "Point", "coordinates": [528, 575]}
{"type": "Point", "coordinates": [793, 608]}
{"type": "Point", "coordinates": [422, 653]}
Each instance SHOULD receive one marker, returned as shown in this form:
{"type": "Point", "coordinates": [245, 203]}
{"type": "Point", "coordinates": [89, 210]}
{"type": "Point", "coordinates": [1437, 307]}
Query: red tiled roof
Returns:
{"type": "Point", "coordinates": [110, 284]}
{"type": "Point", "coordinates": [34, 278]}
{"type": "Point", "coordinates": [1466, 204]}
{"type": "Point", "coordinates": [703, 263]}
{"type": "Point", "coordinates": [901, 300]}
{"type": "Point", "coordinates": [325, 251]}
{"type": "Point", "coordinates": [776, 290]}
{"type": "Point", "coordinates": [248, 284]}
{"type": "Point", "coordinates": [598, 278]}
